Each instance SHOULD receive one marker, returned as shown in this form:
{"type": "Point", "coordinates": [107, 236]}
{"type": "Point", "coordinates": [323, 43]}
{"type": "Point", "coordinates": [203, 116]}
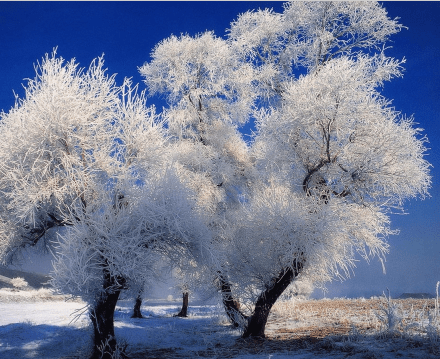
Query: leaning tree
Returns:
{"type": "Point", "coordinates": [87, 160]}
{"type": "Point", "coordinates": [333, 157]}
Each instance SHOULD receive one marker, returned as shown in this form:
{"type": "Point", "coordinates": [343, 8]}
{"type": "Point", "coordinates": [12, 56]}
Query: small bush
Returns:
{"type": "Point", "coordinates": [19, 282]}
{"type": "Point", "coordinates": [433, 327]}
{"type": "Point", "coordinates": [390, 316]}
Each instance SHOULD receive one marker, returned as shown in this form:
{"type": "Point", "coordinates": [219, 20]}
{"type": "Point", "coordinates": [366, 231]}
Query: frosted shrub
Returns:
{"type": "Point", "coordinates": [298, 290]}
{"type": "Point", "coordinates": [115, 353]}
{"type": "Point", "coordinates": [390, 316]}
{"type": "Point", "coordinates": [433, 327]}
{"type": "Point", "coordinates": [19, 283]}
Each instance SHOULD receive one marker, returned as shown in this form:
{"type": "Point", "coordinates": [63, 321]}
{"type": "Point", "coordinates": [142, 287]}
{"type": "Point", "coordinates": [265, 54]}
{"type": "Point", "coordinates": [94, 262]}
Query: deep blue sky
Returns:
{"type": "Point", "coordinates": [126, 32]}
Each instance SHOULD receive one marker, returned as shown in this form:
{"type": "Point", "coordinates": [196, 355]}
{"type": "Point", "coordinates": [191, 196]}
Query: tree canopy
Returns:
{"type": "Point", "coordinates": [126, 189]}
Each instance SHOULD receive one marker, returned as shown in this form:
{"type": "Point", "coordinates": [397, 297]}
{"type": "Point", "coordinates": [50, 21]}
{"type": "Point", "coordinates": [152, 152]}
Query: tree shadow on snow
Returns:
{"type": "Point", "coordinates": [162, 335]}
{"type": "Point", "coordinates": [158, 335]}
{"type": "Point", "coordinates": [25, 340]}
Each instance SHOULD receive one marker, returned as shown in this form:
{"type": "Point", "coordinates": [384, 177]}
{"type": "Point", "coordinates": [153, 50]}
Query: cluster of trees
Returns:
{"type": "Point", "coordinates": [123, 193]}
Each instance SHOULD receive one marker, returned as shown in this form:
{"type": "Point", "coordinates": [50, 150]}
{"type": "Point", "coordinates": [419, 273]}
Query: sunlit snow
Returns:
{"type": "Point", "coordinates": [31, 327]}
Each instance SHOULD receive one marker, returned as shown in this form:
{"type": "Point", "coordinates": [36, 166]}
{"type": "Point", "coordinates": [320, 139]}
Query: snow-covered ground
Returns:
{"type": "Point", "coordinates": [36, 325]}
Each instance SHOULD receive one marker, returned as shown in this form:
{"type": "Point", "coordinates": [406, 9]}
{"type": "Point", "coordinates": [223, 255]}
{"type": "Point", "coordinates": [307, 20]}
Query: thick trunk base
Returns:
{"type": "Point", "coordinates": [184, 311]}
{"type": "Point", "coordinates": [102, 317]}
{"type": "Point", "coordinates": [103, 327]}
{"type": "Point", "coordinates": [258, 320]}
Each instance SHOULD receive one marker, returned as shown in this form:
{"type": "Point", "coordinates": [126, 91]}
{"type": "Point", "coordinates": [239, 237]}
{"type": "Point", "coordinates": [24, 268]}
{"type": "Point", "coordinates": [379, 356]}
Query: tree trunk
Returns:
{"type": "Point", "coordinates": [102, 317]}
{"type": "Point", "coordinates": [137, 307]}
{"type": "Point", "coordinates": [184, 311]}
{"type": "Point", "coordinates": [232, 306]}
{"type": "Point", "coordinates": [258, 319]}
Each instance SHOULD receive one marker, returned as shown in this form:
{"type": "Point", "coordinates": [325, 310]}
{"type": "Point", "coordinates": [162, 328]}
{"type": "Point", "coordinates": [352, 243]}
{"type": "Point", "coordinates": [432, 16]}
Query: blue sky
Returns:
{"type": "Point", "coordinates": [126, 32]}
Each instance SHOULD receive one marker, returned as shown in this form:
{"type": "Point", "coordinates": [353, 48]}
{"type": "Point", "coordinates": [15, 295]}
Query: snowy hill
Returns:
{"type": "Point", "coordinates": [416, 296]}
{"type": "Point", "coordinates": [34, 280]}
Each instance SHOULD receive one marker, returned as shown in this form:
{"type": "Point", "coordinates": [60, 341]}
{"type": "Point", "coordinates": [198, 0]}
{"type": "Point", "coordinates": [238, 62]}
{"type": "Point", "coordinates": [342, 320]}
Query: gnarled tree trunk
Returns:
{"type": "Point", "coordinates": [137, 307]}
{"type": "Point", "coordinates": [257, 321]}
{"type": "Point", "coordinates": [184, 311]}
{"type": "Point", "coordinates": [232, 306]}
{"type": "Point", "coordinates": [102, 317]}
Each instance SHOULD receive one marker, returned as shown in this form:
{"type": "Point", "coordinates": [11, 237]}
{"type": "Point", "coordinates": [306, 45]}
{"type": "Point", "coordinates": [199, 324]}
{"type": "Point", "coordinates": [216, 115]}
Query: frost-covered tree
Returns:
{"type": "Point", "coordinates": [46, 148]}
{"type": "Point", "coordinates": [210, 95]}
{"type": "Point", "coordinates": [333, 155]}
{"type": "Point", "coordinates": [86, 159]}
{"type": "Point", "coordinates": [330, 157]}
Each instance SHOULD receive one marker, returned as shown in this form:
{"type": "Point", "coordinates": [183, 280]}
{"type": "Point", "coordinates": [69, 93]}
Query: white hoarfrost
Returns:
{"type": "Point", "coordinates": [86, 168]}
{"type": "Point", "coordinates": [330, 157]}
{"type": "Point", "coordinates": [130, 192]}
{"type": "Point", "coordinates": [19, 282]}
{"type": "Point", "coordinates": [94, 162]}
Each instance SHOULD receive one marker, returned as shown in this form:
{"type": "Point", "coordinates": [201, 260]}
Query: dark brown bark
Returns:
{"type": "Point", "coordinates": [184, 311]}
{"type": "Point", "coordinates": [34, 234]}
{"type": "Point", "coordinates": [102, 317]}
{"type": "Point", "coordinates": [137, 307]}
{"type": "Point", "coordinates": [257, 321]}
{"type": "Point", "coordinates": [232, 306]}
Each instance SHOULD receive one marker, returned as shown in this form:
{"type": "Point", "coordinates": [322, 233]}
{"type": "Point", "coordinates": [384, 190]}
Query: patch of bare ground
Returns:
{"type": "Point", "coordinates": [342, 328]}
{"type": "Point", "coordinates": [323, 318]}
{"type": "Point", "coordinates": [353, 327]}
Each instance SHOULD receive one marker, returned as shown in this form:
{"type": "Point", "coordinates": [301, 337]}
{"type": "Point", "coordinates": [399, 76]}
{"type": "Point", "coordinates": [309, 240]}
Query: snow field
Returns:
{"type": "Point", "coordinates": [339, 328]}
